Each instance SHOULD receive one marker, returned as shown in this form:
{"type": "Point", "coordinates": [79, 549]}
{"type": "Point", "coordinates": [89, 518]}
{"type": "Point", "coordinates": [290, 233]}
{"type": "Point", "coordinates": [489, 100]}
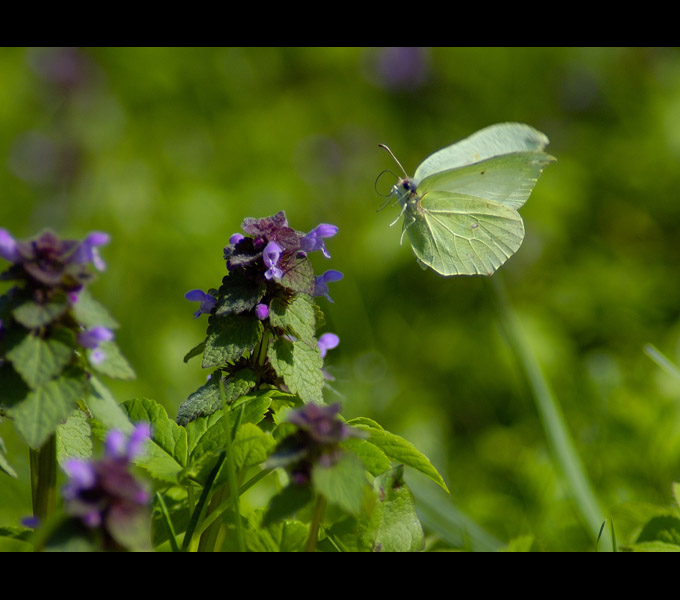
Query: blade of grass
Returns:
{"type": "Point", "coordinates": [661, 360]}
{"type": "Point", "coordinates": [168, 523]}
{"type": "Point", "coordinates": [550, 413]}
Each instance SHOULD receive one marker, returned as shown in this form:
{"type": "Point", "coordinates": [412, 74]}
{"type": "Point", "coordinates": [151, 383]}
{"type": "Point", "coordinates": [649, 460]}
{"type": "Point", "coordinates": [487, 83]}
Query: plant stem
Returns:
{"type": "Point", "coordinates": [319, 509]}
{"type": "Point", "coordinates": [43, 463]}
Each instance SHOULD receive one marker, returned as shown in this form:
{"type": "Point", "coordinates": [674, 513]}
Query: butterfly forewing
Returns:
{"type": "Point", "coordinates": [507, 179]}
{"type": "Point", "coordinates": [496, 140]}
{"type": "Point", "coordinates": [457, 234]}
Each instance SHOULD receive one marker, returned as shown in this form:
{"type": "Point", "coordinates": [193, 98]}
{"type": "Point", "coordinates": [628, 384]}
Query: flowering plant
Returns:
{"type": "Point", "coordinates": [261, 416]}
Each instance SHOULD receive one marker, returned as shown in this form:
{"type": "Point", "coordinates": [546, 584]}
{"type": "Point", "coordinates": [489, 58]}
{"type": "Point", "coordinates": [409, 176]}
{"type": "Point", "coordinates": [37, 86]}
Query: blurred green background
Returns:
{"type": "Point", "coordinates": [168, 149]}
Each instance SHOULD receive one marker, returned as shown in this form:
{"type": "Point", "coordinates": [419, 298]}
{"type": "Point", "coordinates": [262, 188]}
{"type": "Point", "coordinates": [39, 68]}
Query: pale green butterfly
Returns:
{"type": "Point", "coordinates": [460, 206]}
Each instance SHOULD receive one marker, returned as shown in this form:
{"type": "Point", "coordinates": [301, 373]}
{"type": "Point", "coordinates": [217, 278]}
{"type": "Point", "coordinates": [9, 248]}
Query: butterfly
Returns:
{"type": "Point", "coordinates": [460, 207]}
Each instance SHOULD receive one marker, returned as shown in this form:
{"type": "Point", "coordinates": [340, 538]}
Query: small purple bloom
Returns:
{"type": "Point", "coordinates": [207, 301]}
{"type": "Point", "coordinates": [8, 246]}
{"type": "Point", "coordinates": [271, 255]}
{"type": "Point", "coordinates": [87, 250]}
{"type": "Point", "coordinates": [104, 493]}
{"type": "Point", "coordinates": [326, 342]}
{"type": "Point", "coordinates": [320, 283]}
{"type": "Point", "coordinates": [235, 239]}
{"type": "Point", "coordinates": [314, 239]}
{"type": "Point", "coordinates": [91, 338]}
{"type": "Point", "coordinates": [262, 311]}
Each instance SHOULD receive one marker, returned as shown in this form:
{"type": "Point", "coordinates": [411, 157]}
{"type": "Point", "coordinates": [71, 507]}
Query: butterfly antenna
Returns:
{"type": "Point", "coordinates": [384, 147]}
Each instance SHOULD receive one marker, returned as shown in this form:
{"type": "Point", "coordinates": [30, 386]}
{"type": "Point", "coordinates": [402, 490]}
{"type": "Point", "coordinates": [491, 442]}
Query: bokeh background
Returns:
{"type": "Point", "coordinates": [168, 149]}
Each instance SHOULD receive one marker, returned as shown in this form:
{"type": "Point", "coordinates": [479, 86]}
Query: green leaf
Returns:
{"type": "Point", "coordinates": [374, 459]}
{"type": "Point", "coordinates": [89, 312]}
{"type": "Point", "coordinates": [166, 453]}
{"type": "Point", "coordinates": [398, 449]}
{"type": "Point", "coordinates": [282, 536]}
{"type": "Point", "coordinates": [37, 360]}
{"type": "Point", "coordinates": [229, 338]}
{"type": "Point", "coordinates": [207, 399]}
{"type": "Point", "coordinates": [238, 294]}
{"type": "Point", "coordinates": [297, 317]}
{"type": "Point", "coordinates": [74, 438]}
{"type": "Point", "coordinates": [34, 314]}
{"type": "Point", "coordinates": [114, 364]}
{"type": "Point", "coordinates": [300, 367]}
{"type": "Point", "coordinates": [105, 409]}
{"type": "Point", "coordinates": [394, 521]}
{"type": "Point", "coordinates": [287, 502]}
{"type": "Point", "coordinates": [37, 416]}
{"type": "Point", "coordinates": [344, 483]}
{"type": "Point", "coordinates": [251, 446]}
{"type": "Point", "coordinates": [664, 528]}
{"type": "Point", "coordinates": [195, 351]}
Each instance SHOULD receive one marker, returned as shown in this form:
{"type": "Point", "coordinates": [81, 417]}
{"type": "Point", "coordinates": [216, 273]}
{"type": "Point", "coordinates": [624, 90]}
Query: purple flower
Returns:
{"type": "Point", "coordinates": [87, 250]}
{"type": "Point", "coordinates": [91, 338]}
{"type": "Point", "coordinates": [104, 493]}
{"type": "Point", "coordinates": [314, 239]}
{"type": "Point", "coordinates": [326, 342]}
{"type": "Point", "coordinates": [8, 246]}
{"type": "Point", "coordinates": [271, 255]}
{"type": "Point", "coordinates": [235, 239]}
{"type": "Point", "coordinates": [207, 301]}
{"type": "Point", "coordinates": [320, 283]}
{"type": "Point", "coordinates": [262, 311]}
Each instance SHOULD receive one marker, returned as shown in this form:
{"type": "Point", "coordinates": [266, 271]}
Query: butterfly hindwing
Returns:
{"type": "Point", "coordinates": [458, 234]}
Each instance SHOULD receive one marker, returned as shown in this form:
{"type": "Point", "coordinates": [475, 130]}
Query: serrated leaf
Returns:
{"type": "Point", "coordinates": [37, 360]}
{"type": "Point", "coordinates": [229, 338]}
{"type": "Point", "coordinates": [344, 483]}
{"type": "Point", "coordinates": [298, 275]}
{"type": "Point", "coordinates": [207, 399]}
{"type": "Point", "coordinates": [36, 416]}
{"type": "Point", "coordinates": [238, 294]}
{"type": "Point", "coordinates": [297, 317]}
{"type": "Point", "coordinates": [166, 453]}
{"type": "Point", "coordinates": [33, 314]}
{"type": "Point", "coordinates": [89, 312]}
{"type": "Point", "coordinates": [74, 438]}
{"type": "Point", "coordinates": [398, 449]}
{"type": "Point", "coordinates": [114, 364]}
{"type": "Point", "coordinates": [374, 459]}
{"type": "Point", "coordinates": [300, 367]}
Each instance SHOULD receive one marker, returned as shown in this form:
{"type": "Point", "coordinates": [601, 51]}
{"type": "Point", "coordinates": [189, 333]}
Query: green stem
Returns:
{"type": "Point", "coordinates": [231, 474]}
{"type": "Point", "coordinates": [43, 463]}
{"type": "Point", "coordinates": [550, 413]}
{"type": "Point", "coordinates": [319, 509]}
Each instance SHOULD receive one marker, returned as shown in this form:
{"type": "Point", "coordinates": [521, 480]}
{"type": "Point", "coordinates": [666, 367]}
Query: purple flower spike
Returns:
{"type": "Point", "coordinates": [8, 246]}
{"type": "Point", "coordinates": [314, 239]}
{"type": "Point", "coordinates": [321, 283]}
{"type": "Point", "coordinates": [262, 311]}
{"type": "Point", "coordinates": [87, 250]}
{"type": "Point", "coordinates": [326, 342]}
{"type": "Point", "coordinates": [207, 301]}
{"type": "Point", "coordinates": [91, 338]}
{"type": "Point", "coordinates": [271, 255]}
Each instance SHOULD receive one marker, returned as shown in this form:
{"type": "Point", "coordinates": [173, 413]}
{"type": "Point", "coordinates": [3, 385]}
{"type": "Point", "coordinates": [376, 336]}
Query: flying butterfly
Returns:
{"type": "Point", "coordinates": [460, 207]}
